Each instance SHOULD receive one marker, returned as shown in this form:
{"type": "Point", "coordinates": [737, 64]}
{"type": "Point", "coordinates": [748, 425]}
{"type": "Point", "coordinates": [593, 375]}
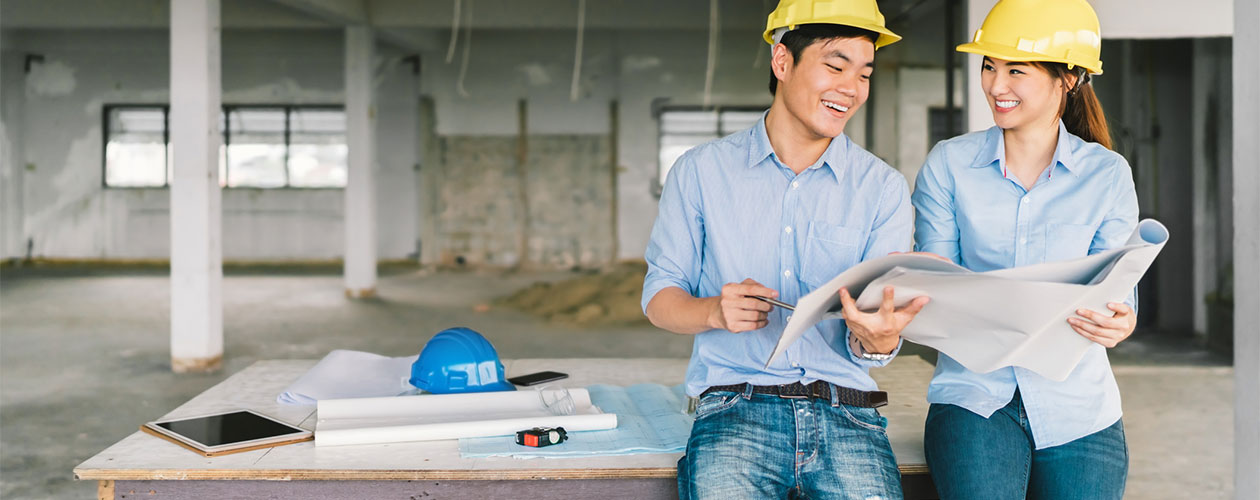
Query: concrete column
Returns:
{"type": "Point", "coordinates": [1246, 250]}
{"type": "Point", "coordinates": [360, 210]}
{"type": "Point", "coordinates": [977, 112]}
{"type": "Point", "coordinates": [196, 246]}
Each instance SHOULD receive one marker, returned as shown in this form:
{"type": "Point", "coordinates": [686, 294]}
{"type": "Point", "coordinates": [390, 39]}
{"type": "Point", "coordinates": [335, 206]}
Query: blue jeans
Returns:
{"type": "Point", "coordinates": [973, 457]}
{"type": "Point", "coordinates": [761, 446]}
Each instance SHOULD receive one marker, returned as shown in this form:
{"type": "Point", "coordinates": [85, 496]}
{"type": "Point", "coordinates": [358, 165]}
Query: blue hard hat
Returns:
{"type": "Point", "coordinates": [459, 360]}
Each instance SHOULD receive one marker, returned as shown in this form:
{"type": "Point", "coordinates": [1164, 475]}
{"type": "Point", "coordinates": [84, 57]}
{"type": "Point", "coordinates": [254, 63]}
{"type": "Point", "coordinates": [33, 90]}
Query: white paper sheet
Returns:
{"type": "Point", "coordinates": [448, 416]}
{"type": "Point", "coordinates": [350, 374]}
{"type": "Point", "coordinates": [994, 319]}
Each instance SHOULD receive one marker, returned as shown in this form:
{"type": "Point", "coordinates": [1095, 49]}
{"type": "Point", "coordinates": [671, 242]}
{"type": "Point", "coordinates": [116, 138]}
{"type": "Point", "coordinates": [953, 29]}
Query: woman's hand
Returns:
{"type": "Point", "coordinates": [1103, 329]}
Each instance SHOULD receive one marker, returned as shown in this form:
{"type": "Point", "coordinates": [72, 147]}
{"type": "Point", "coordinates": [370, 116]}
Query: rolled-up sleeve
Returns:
{"type": "Point", "coordinates": [935, 226]}
{"type": "Point", "coordinates": [1121, 219]}
{"type": "Point", "coordinates": [677, 240]}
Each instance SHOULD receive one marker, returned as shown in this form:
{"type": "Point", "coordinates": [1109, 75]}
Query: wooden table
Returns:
{"type": "Point", "coordinates": [143, 466]}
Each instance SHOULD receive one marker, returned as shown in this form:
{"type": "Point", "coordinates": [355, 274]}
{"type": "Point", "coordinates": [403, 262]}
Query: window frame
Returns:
{"type": "Point", "coordinates": [658, 114]}
{"type": "Point", "coordinates": [224, 111]}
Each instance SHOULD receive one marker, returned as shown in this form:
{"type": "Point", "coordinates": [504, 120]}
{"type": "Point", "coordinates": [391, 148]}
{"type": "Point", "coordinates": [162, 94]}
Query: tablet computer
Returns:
{"type": "Point", "coordinates": [227, 432]}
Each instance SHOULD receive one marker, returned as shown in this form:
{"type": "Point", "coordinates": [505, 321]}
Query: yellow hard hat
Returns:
{"type": "Point", "coordinates": [1062, 31]}
{"type": "Point", "coordinates": [856, 13]}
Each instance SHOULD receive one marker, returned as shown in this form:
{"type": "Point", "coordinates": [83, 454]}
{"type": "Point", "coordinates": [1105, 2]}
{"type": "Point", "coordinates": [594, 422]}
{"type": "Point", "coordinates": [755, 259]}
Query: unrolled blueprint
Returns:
{"type": "Point", "coordinates": [994, 319]}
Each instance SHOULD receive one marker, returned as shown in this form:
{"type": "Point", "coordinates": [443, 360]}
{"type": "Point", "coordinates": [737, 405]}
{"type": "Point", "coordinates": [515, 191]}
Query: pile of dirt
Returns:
{"type": "Point", "coordinates": [599, 298]}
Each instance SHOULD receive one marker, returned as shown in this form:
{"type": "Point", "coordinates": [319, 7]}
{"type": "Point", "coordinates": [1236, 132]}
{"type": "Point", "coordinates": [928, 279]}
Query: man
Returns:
{"type": "Point", "coordinates": [776, 211]}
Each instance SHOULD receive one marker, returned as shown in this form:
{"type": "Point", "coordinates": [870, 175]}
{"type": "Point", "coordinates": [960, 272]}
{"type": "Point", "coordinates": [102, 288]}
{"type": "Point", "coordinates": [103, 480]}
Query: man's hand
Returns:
{"type": "Point", "coordinates": [1104, 329]}
{"type": "Point", "coordinates": [879, 331]}
{"type": "Point", "coordinates": [736, 311]}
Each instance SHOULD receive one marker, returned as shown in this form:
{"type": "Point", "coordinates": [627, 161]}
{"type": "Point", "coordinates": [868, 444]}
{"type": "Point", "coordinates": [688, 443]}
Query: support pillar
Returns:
{"type": "Point", "coordinates": [1246, 99]}
{"type": "Point", "coordinates": [360, 193]}
{"type": "Point", "coordinates": [196, 216]}
{"type": "Point", "coordinates": [977, 112]}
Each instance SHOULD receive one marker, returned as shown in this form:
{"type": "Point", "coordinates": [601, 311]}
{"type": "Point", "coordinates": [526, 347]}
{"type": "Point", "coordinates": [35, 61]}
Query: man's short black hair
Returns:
{"type": "Point", "coordinates": [807, 34]}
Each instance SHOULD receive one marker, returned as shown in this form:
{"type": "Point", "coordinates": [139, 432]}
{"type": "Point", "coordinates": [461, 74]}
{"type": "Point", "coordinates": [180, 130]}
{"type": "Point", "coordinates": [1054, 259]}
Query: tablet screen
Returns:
{"type": "Point", "coordinates": [228, 428]}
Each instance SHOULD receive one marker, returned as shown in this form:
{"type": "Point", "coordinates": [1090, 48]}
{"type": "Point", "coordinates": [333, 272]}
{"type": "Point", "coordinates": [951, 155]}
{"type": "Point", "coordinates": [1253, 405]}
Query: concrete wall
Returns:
{"type": "Point", "coordinates": [66, 212]}
{"type": "Point", "coordinates": [54, 114]}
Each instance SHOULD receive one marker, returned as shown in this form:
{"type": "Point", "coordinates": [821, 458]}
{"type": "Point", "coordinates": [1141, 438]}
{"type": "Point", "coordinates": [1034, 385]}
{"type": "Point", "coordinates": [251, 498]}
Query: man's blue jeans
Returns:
{"type": "Point", "coordinates": [761, 446]}
{"type": "Point", "coordinates": [979, 458]}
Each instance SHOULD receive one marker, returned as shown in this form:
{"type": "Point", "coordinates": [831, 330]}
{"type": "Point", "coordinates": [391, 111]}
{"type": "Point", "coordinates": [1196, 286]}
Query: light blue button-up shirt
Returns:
{"type": "Point", "coordinates": [973, 211]}
{"type": "Point", "coordinates": [731, 210]}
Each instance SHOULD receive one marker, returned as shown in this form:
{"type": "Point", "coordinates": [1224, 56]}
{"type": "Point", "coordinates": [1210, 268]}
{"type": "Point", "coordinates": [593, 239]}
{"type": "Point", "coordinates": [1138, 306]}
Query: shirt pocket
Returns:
{"type": "Point", "coordinates": [829, 250]}
{"type": "Point", "coordinates": [1068, 241]}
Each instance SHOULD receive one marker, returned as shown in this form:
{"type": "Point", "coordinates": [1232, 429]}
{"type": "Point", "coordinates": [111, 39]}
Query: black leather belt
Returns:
{"type": "Point", "coordinates": [817, 390]}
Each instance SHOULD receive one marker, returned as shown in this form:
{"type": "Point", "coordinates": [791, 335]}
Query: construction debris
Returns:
{"type": "Point", "coordinates": [601, 298]}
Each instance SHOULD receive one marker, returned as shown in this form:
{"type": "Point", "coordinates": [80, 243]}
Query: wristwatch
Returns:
{"type": "Point", "coordinates": [873, 356]}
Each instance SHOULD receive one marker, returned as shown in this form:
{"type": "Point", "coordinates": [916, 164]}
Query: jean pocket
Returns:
{"type": "Point", "coordinates": [715, 402]}
{"type": "Point", "coordinates": [829, 250]}
{"type": "Point", "coordinates": [868, 418]}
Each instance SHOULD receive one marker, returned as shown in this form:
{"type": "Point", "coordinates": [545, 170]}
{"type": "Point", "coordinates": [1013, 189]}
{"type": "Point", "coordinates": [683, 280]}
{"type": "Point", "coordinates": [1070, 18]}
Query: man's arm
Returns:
{"type": "Point", "coordinates": [880, 331]}
{"type": "Point", "coordinates": [676, 310]}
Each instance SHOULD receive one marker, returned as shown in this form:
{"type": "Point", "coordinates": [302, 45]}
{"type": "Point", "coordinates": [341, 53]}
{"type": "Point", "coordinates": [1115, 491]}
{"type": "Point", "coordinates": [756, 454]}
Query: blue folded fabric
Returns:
{"type": "Point", "coordinates": [651, 418]}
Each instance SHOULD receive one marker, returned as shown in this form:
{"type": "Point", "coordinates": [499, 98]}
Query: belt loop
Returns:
{"type": "Point", "coordinates": [835, 394]}
{"type": "Point", "coordinates": [748, 391]}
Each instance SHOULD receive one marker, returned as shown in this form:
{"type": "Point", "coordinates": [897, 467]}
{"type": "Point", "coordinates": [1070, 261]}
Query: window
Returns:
{"type": "Point", "coordinates": [135, 152]}
{"type": "Point", "coordinates": [263, 146]}
{"type": "Point", "coordinates": [937, 131]}
{"type": "Point", "coordinates": [686, 128]}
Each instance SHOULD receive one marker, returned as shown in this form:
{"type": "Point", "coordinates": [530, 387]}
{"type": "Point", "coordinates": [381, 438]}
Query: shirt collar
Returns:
{"type": "Point", "coordinates": [833, 158]}
{"type": "Point", "coordinates": [994, 150]}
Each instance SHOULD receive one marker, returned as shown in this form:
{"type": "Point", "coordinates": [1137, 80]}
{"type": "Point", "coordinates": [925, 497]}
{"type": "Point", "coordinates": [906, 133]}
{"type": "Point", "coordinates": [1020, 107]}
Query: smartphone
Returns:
{"type": "Point", "coordinates": [537, 378]}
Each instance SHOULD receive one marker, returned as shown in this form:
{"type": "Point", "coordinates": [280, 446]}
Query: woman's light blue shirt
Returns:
{"type": "Point", "coordinates": [973, 211]}
{"type": "Point", "coordinates": [731, 210]}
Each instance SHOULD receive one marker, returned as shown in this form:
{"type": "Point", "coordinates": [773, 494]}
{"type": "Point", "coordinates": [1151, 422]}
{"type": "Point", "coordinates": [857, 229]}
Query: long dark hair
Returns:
{"type": "Point", "coordinates": [1080, 110]}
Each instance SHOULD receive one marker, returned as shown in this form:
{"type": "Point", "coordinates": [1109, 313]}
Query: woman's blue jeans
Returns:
{"type": "Point", "coordinates": [977, 458]}
{"type": "Point", "coordinates": [760, 446]}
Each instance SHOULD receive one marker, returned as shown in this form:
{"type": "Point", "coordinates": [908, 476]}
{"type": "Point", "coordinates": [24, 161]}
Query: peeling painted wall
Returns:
{"type": "Point", "coordinates": [54, 117]}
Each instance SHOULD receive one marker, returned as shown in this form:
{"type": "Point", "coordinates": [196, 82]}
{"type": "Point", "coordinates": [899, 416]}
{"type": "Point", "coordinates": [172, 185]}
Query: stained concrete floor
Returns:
{"type": "Point", "coordinates": [84, 359]}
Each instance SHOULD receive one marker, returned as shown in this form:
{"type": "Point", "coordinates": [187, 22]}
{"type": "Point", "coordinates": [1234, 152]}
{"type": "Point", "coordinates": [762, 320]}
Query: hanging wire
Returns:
{"type": "Point", "coordinates": [577, 58]}
{"type": "Point", "coordinates": [463, 66]}
{"type": "Point", "coordinates": [713, 51]}
{"type": "Point", "coordinates": [450, 49]}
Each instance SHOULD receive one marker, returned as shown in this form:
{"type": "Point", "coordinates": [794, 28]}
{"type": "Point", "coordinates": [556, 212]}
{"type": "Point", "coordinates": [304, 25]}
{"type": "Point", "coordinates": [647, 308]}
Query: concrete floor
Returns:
{"type": "Point", "coordinates": [84, 360]}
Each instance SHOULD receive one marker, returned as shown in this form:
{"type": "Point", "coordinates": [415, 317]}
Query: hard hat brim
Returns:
{"type": "Point", "coordinates": [886, 36]}
{"type": "Point", "coordinates": [1011, 54]}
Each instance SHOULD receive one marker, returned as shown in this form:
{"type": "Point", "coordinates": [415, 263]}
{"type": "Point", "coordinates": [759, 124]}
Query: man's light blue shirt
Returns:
{"type": "Point", "coordinates": [973, 211]}
{"type": "Point", "coordinates": [730, 210]}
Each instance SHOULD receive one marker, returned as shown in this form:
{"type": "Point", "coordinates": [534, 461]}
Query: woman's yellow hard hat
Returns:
{"type": "Point", "coordinates": [856, 13]}
{"type": "Point", "coordinates": [1062, 31]}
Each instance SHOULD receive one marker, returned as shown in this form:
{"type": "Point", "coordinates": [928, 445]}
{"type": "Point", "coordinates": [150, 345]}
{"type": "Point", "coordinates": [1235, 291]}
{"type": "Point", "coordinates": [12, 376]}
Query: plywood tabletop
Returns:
{"type": "Point", "coordinates": [143, 457]}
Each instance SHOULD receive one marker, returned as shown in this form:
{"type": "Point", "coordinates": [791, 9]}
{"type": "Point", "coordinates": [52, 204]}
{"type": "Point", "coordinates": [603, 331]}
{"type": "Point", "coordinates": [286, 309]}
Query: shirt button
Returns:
{"type": "Point", "coordinates": [1023, 241]}
{"type": "Point", "coordinates": [796, 184]}
{"type": "Point", "coordinates": [1026, 200]}
{"type": "Point", "coordinates": [788, 229]}
{"type": "Point", "coordinates": [787, 273]}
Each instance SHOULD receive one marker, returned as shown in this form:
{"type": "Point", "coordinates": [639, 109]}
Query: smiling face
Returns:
{"type": "Point", "coordinates": [826, 85]}
{"type": "Point", "coordinates": [1020, 94]}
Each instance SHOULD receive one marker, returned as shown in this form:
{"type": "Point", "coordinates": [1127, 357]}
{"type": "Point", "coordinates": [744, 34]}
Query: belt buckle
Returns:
{"type": "Point", "coordinates": [793, 391]}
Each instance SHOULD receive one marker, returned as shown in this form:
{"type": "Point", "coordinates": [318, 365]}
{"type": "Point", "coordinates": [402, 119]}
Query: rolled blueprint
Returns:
{"type": "Point", "coordinates": [994, 319]}
{"type": "Point", "coordinates": [449, 416]}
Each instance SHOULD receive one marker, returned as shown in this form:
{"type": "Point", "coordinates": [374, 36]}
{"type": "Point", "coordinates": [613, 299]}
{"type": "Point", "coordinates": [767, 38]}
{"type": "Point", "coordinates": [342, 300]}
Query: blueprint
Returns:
{"type": "Point", "coordinates": [350, 374]}
{"type": "Point", "coordinates": [994, 319]}
{"type": "Point", "coordinates": [651, 418]}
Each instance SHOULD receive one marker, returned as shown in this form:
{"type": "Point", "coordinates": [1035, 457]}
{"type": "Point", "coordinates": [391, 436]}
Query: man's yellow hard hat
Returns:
{"type": "Point", "coordinates": [856, 13]}
{"type": "Point", "coordinates": [1062, 31]}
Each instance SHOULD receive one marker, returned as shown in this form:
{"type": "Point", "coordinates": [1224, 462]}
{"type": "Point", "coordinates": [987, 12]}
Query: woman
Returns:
{"type": "Point", "coordinates": [1041, 186]}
